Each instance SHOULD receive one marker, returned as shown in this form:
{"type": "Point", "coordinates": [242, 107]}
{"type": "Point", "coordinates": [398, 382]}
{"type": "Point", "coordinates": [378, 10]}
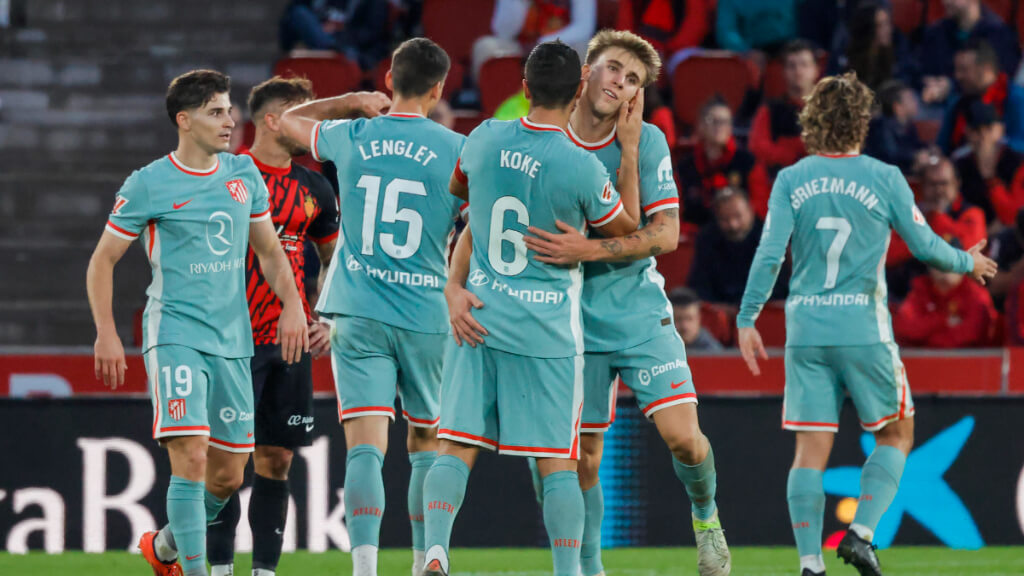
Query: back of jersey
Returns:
{"type": "Point", "coordinates": [839, 210]}
{"type": "Point", "coordinates": [397, 219]}
{"type": "Point", "coordinates": [522, 174]}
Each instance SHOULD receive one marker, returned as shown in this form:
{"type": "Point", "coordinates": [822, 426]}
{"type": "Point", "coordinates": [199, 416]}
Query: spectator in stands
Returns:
{"type": "Point", "coordinates": [745, 25]}
{"type": "Point", "coordinates": [658, 113]}
{"type": "Point", "coordinates": [775, 133]}
{"type": "Point", "coordinates": [991, 173]}
{"type": "Point", "coordinates": [725, 250]}
{"type": "Point", "coordinates": [892, 137]}
{"type": "Point", "coordinates": [979, 79]}
{"type": "Point", "coordinates": [1007, 249]}
{"type": "Point", "coordinates": [944, 207]}
{"type": "Point", "coordinates": [443, 115]}
{"type": "Point", "coordinates": [669, 25]}
{"type": "Point", "coordinates": [686, 314]}
{"type": "Point", "coordinates": [873, 48]}
{"type": "Point", "coordinates": [356, 28]}
{"type": "Point", "coordinates": [519, 25]}
{"type": "Point", "coordinates": [966, 21]}
{"type": "Point", "coordinates": [945, 310]}
{"type": "Point", "coordinates": [718, 162]}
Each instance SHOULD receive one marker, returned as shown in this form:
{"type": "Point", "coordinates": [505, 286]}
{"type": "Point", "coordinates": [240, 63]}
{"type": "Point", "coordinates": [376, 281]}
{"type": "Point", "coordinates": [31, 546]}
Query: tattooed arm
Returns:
{"type": "Point", "coordinates": [659, 236]}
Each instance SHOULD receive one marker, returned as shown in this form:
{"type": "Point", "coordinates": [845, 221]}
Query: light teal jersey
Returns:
{"type": "Point", "coordinates": [522, 174]}
{"type": "Point", "coordinates": [624, 303]}
{"type": "Point", "coordinates": [195, 228]}
{"type": "Point", "coordinates": [397, 219]}
{"type": "Point", "coordinates": [839, 211]}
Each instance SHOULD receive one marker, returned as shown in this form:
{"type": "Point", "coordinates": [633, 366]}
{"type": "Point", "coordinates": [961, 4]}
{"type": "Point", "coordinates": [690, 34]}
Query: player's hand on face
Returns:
{"type": "Point", "coordinates": [565, 249]}
{"type": "Point", "coordinates": [292, 334]}
{"type": "Point", "coordinates": [985, 268]}
{"type": "Point", "coordinates": [631, 121]}
{"type": "Point", "coordinates": [751, 348]}
{"type": "Point", "coordinates": [319, 339]}
{"type": "Point", "coordinates": [109, 362]}
{"type": "Point", "coordinates": [370, 104]}
{"type": "Point", "coordinates": [461, 303]}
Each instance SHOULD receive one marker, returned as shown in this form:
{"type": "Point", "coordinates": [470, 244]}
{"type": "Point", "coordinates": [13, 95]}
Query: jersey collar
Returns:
{"type": "Point", "coordinates": [540, 127]}
{"type": "Point", "coordinates": [405, 115]}
{"type": "Point", "coordinates": [192, 171]}
{"type": "Point", "coordinates": [591, 145]}
{"type": "Point", "coordinates": [266, 168]}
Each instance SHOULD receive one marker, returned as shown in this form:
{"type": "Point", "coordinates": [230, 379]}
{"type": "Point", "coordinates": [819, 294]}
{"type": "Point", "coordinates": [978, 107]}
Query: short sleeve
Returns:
{"type": "Point", "coordinates": [260, 197]}
{"type": "Point", "coordinates": [328, 138]}
{"type": "Point", "coordinates": [657, 183]}
{"type": "Point", "coordinates": [325, 227]}
{"type": "Point", "coordinates": [599, 198]}
{"type": "Point", "coordinates": [131, 210]}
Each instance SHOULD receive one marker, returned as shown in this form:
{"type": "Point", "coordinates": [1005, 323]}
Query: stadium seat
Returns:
{"type": "Point", "coordinates": [675, 266]}
{"type": "Point", "coordinates": [718, 321]}
{"type": "Point", "coordinates": [906, 15]}
{"type": "Point", "coordinates": [456, 24]}
{"type": "Point", "coordinates": [330, 76]}
{"type": "Point", "coordinates": [499, 79]}
{"type": "Point", "coordinates": [467, 120]}
{"type": "Point", "coordinates": [1003, 9]}
{"type": "Point", "coordinates": [936, 11]}
{"type": "Point", "coordinates": [772, 325]}
{"type": "Point", "coordinates": [928, 130]}
{"type": "Point", "coordinates": [700, 77]}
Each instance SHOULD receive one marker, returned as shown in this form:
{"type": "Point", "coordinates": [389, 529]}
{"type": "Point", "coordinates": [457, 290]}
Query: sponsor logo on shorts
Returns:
{"type": "Point", "coordinates": [675, 385]}
{"type": "Point", "coordinates": [229, 415]}
{"type": "Point", "coordinates": [667, 367]}
{"type": "Point", "coordinates": [645, 377]}
{"type": "Point", "coordinates": [299, 420]}
{"type": "Point", "coordinates": [176, 408]}
{"type": "Point", "coordinates": [478, 278]}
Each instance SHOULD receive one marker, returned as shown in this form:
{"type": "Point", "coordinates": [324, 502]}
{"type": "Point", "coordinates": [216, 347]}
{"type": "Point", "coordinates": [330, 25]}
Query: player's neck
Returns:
{"type": "Point", "coordinates": [408, 106]}
{"type": "Point", "coordinates": [838, 154]}
{"type": "Point", "coordinates": [270, 154]}
{"type": "Point", "coordinates": [586, 125]}
{"type": "Point", "coordinates": [547, 116]}
{"type": "Point", "coordinates": [194, 157]}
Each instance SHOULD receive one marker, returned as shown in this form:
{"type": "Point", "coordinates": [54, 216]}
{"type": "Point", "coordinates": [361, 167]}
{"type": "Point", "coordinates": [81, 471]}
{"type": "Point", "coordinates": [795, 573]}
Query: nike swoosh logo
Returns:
{"type": "Point", "coordinates": [249, 435]}
{"type": "Point", "coordinates": [192, 557]}
{"type": "Point", "coordinates": [278, 531]}
{"type": "Point", "coordinates": [182, 205]}
{"type": "Point", "coordinates": [309, 428]}
{"type": "Point", "coordinates": [675, 385]}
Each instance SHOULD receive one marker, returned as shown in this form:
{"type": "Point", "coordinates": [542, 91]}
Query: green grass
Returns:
{"type": "Point", "coordinates": [536, 562]}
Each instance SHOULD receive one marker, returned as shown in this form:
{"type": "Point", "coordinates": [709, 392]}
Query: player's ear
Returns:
{"type": "Point", "coordinates": [183, 119]}
{"type": "Point", "coordinates": [585, 75]}
{"type": "Point", "coordinates": [388, 82]}
{"type": "Point", "coordinates": [526, 90]}
{"type": "Point", "coordinates": [272, 121]}
{"type": "Point", "coordinates": [436, 91]}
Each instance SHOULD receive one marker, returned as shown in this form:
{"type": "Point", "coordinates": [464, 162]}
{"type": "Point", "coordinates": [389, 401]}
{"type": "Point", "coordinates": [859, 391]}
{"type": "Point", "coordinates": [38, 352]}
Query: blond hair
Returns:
{"type": "Point", "coordinates": [635, 45]}
{"type": "Point", "coordinates": [836, 116]}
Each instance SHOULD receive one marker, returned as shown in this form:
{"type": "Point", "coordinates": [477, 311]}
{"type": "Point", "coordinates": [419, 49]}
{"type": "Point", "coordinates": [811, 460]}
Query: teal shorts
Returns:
{"type": "Point", "coordinates": [818, 379]}
{"type": "Point", "coordinates": [197, 394]}
{"type": "Point", "coordinates": [373, 362]}
{"type": "Point", "coordinates": [656, 371]}
{"type": "Point", "coordinates": [518, 405]}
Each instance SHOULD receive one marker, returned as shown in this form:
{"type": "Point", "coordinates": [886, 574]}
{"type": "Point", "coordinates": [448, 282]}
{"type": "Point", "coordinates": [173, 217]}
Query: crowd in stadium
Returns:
{"type": "Point", "coordinates": [950, 114]}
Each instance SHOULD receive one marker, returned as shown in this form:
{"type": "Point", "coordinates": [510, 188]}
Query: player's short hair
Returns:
{"type": "Point", "coordinates": [193, 90]}
{"type": "Point", "coordinates": [836, 116]}
{"type": "Point", "coordinates": [683, 297]}
{"type": "Point", "coordinates": [278, 89]}
{"type": "Point", "coordinates": [630, 42]}
{"type": "Point", "coordinates": [553, 74]}
{"type": "Point", "coordinates": [890, 93]}
{"type": "Point", "coordinates": [417, 65]}
{"type": "Point", "coordinates": [796, 47]}
{"type": "Point", "coordinates": [984, 53]}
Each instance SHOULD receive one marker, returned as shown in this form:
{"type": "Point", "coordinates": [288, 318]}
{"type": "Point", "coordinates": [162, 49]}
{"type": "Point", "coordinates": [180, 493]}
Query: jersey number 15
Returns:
{"type": "Point", "coordinates": [390, 215]}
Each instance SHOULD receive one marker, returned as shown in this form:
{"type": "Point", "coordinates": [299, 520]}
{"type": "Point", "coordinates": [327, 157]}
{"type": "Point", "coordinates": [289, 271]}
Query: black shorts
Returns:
{"type": "Point", "coordinates": [283, 396]}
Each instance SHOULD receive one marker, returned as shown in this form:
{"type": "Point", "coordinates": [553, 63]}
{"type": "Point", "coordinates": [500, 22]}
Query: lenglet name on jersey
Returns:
{"type": "Point", "coordinates": [826, 185]}
{"type": "Point", "coordinates": [405, 148]}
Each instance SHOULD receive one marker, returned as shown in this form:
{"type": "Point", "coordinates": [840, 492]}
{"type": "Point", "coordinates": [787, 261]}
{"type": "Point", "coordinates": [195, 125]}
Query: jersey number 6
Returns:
{"type": "Point", "coordinates": [500, 234]}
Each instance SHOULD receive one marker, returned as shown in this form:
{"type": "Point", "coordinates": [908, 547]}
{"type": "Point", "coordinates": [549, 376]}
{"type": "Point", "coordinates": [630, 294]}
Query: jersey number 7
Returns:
{"type": "Point", "coordinates": [843, 229]}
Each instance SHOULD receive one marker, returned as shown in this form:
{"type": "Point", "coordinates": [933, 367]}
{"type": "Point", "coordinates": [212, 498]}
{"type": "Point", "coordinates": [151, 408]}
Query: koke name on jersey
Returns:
{"type": "Point", "coordinates": [519, 161]}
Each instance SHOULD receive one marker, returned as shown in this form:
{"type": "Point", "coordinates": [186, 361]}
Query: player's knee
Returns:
{"type": "Point", "coordinates": [421, 439]}
{"type": "Point", "coordinates": [899, 435]}
{"type": "Point", "coordinates": [688, 448]}
{"type": "Point", "coordinates": [225, 481]}
{"type": "Point", "coordinates": [273, 462]}
{"type": "Point", "coordinates": [588, 470]}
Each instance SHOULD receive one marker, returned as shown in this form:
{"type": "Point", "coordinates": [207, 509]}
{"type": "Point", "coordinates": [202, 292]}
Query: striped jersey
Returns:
{"type": "Point", "coordinates": [624, 303]}
{"type": "Point", "coordinates": [523, 174]}
{"type": "Point", "coordinates": [194, 226]}
{"type": "Point", "coordinates": [838, 211]}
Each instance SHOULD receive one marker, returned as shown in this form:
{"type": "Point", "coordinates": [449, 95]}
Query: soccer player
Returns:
{"type": "Point", "coordinates": [838, 206]}
{"type": "Point", "coordinates": [518, 387]}
{"type": "Point", "coordinates": [385, 286]}
{"type": "Point", "coordinates": [627, 318]}
{"type": "Point", "coordinates": [196, 210]}
{"type": "Point", "coordinates": [302, 204]}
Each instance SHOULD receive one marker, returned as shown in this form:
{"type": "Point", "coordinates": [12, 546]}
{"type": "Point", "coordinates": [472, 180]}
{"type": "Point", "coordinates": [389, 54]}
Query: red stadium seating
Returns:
{"type": "Point", "coordinates": [330, 76]}
{"type": "Point", "coordinates": [906, 15]}
{"type": "Point", "coordinates": [675, 266]}
{"type": "Point", "coordinates": [772, 325]}
{"type": "Point", "coordinates": [718, 321]}
{"type": "Point", "coordinates": [928, 130]}
{"type": "Point", "coordinates": [499, 79]}
{"type": "Point", "coordinates": [456, 24]}
{"type": "Point", "coordinates": [698, 78]}
{"type": "Point", "coordinates": [467, 120]}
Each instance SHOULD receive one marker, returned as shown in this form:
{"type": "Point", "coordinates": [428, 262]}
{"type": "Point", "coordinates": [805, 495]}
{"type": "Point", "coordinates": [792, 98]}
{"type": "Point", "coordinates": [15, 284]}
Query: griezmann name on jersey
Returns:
{"type": "Point", "coordinates": [522, 174]}
{"type": "Point", "coordinates": [839, 211]}
{"type": "Point", "coordinates": [624, 303]}
{"type": "Point", "coordinates": [397, 219]}
{"type": "Point", "coordinates": [195, 229]}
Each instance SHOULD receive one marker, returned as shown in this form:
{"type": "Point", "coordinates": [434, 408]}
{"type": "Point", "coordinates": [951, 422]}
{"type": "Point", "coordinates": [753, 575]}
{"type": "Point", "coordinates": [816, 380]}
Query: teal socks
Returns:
{"type": "Point", "coordinates": [443, 491]}
{"type": "Point", "coordinates": [590, 553]}
{"type": "Point", "coordinates": [701, 482]}
{"type": "Point", "coordinates": [364, 494]}
{"type": "Point", "coordinates": [187, 519]}
{"type": "Point", "coordinates": [421, 462]}
{"type": "Point", "coordinates": [213, 505]}
{"type": "Point", "coordinates": [879, 481]}
{"type": "Point", "coordinates": [564, 519]}
{"type": "Point", "coordinates": [806, 496]}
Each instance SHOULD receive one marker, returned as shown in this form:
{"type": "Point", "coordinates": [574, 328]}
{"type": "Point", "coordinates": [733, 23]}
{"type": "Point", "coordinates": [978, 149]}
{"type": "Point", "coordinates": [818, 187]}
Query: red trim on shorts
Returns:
{"type": "Point", "coordinates": [822, 424]}
{"type": "Point", "coordinates": [433, 422]}
{"type": "Point", "coordinates": [586, 426]}
{"type": "Point", "coordinates": [458, 434]}
{"type": "Point", "coordinates": [185, 428]}
{"type": "Point", "coordinates": [575, 454]}
{"type": "Point", "coordinates": [559, 451]}
{"type": "Point", "coordinates": [653, 405]}
{"type": "Point", "coordinates": [325, 239]}
{"type": "Point", "coordinates": [458, 173]}
{"type": "Point", "coordinates": [152, 240]}
{"type": "Point", "coordinates": [367, 409]}
{"type": "Point", "coordinates": [232, 444]}
{"type": "Point", "coordinates": [121, 230]}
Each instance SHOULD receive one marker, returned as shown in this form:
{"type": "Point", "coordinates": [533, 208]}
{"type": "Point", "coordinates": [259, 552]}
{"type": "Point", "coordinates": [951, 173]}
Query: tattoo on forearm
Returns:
{"type": "Point", "coordinates": [671, 213]}
{"type": "Point", "coordinates": [655, 250]}
{"type": "Point", "coordinates": [614, 247]}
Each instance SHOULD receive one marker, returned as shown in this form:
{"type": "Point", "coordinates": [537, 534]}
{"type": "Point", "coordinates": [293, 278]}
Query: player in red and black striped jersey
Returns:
{"type": "Point", "coordinates": [303, 205]}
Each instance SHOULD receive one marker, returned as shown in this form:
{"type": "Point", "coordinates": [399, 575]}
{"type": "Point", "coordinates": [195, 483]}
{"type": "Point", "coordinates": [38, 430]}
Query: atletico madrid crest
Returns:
{"type": "Point", "coordinates": [238, 190]}
{"type": "Point", "coordinates": [176, 408]}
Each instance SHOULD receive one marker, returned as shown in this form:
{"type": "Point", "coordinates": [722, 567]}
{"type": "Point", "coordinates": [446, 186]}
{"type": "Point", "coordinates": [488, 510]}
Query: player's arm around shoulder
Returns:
{"type": "Point", "coordinates": [301, 123]}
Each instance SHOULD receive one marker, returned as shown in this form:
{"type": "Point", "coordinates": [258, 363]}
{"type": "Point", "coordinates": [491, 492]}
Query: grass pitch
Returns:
{"type": "Point", "coordinates": [993, 561]}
